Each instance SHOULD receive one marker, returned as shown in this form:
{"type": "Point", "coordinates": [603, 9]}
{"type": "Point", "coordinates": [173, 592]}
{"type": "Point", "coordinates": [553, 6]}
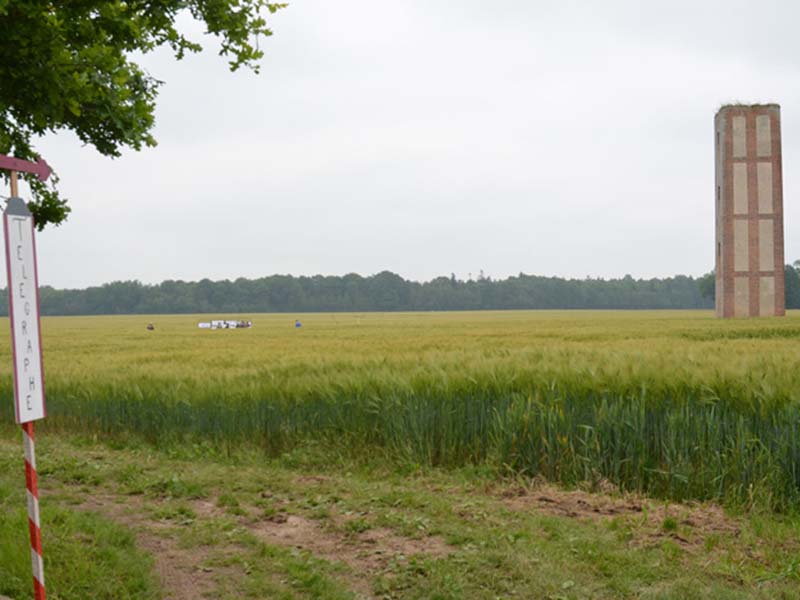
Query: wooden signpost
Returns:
{"type": "Point", "coordinates": [26, 340]}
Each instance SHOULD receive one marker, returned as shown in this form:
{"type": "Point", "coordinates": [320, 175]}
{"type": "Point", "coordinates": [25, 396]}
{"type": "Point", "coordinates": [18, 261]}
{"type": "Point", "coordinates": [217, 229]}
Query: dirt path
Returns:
{"type": "Point", "coordinates": [373, 552]}
{"type": "Point", "coordinates": [179, 570]}
{"type": "Point", "coordinates": [651, 517]}
{"type": "Point", "coordinates": [182, 576]}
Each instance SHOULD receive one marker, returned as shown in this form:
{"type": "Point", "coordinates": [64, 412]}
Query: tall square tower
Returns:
{"type": "Point", "coordinates": [749, 200]}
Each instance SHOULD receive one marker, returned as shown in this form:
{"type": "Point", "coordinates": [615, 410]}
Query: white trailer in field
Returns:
{"type": "Point", "coordinates": [225, 324]}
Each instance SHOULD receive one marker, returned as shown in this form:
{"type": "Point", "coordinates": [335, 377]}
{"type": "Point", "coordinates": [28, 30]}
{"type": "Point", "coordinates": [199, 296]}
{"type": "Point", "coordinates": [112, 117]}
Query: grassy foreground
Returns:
{"type": "Point", "coordinates": [676, 404]}
{"type": "Point", "coordinates": [308, 525]}
{"type": "Point", "coordinates": [93, 557]}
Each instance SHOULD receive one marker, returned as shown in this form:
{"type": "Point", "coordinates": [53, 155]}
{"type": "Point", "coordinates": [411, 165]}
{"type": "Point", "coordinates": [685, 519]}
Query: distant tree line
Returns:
{"type": "Point", "coordinates": [387, 291]}
{"type": "Point", "coordinates": [384, 291]}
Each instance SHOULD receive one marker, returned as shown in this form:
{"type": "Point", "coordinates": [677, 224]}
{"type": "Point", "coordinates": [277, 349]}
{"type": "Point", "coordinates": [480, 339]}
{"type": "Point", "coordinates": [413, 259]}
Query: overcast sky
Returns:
{"type": "Point", "coordinates": [430, 137]}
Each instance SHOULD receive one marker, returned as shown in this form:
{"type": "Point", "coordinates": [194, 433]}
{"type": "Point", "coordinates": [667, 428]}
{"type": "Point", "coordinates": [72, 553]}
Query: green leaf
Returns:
{"type": "Point", "coordinates": [71, 65]}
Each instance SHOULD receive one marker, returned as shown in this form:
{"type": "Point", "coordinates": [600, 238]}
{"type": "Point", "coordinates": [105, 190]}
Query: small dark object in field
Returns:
{"type": "Point", "coordinates": [150, 327]}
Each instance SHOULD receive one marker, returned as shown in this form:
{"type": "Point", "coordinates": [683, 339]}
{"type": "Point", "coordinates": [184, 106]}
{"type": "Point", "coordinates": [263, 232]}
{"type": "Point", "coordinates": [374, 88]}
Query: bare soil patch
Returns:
{"type": "Point", "coordinates": [367, 554]}
{"type": "Point", "coordinates": [178, 569]}
{"type": "Point", "coordinates": [694, 521]}
{"type": "Point", "coordinates": [311, 479]}
{"type": "Point", "coordinates": [368, 551]}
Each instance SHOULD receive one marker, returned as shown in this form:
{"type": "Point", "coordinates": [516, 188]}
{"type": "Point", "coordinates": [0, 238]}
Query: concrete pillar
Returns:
{"type": "Point", "coordinates": [749, 211]}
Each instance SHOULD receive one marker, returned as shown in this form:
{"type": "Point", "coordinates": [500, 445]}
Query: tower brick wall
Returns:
{"type": "Point", "coordinates": [749, 212]}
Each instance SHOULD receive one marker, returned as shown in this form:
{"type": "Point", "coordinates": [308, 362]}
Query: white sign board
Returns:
{"type": "Point", "coordinates": [23, 306]}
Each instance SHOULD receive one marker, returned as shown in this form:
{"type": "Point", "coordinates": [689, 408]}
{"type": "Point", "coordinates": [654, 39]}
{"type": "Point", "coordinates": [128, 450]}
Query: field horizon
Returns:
{"type": "Point", "coordinates": [388, 291]}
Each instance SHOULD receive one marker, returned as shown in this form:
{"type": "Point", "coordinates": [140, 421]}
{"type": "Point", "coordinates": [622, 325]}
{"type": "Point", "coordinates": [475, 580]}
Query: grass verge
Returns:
{"type": "Point", "coordinates": [305, 526]}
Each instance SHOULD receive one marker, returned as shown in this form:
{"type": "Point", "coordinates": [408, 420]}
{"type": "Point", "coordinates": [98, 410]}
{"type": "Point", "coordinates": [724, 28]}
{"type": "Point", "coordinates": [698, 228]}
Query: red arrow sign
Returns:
{"type": "Point", "coordinates": [40, 168]}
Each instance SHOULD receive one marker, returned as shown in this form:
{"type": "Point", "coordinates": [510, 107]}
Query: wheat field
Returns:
{"type": "Point", "coordinates": [674, 404]}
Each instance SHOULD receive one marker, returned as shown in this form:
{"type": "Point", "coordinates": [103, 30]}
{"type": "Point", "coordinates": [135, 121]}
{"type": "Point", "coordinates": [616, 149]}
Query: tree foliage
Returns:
{"type": "Point", "coordinates": [384, 291]}
{"type": "Point", "coordinates": [708, 285]}
{"type": "Point", "coordinates": [69, 65]}
{"type": "Point", "coordinates": [792, 285]}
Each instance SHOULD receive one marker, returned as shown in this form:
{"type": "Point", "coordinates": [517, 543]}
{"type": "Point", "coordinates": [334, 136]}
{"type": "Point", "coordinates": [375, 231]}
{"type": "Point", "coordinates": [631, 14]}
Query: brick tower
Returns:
{"type": "Point", "coordinates": [749, 200]}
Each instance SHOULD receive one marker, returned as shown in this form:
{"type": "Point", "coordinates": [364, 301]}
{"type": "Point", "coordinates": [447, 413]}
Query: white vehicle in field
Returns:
{"type": "Point", "coordinates": [225, 324]}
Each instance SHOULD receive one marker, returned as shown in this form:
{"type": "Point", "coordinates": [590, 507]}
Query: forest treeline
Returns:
{"type": "Point", "coordinates": [387, 291]}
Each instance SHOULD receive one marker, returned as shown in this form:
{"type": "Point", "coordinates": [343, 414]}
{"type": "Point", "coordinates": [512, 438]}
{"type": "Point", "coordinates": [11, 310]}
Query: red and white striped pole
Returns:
{"type": "Point", "coordinates": [33, 511]}
{"type": "Point", "coordinates": [26, 345]}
